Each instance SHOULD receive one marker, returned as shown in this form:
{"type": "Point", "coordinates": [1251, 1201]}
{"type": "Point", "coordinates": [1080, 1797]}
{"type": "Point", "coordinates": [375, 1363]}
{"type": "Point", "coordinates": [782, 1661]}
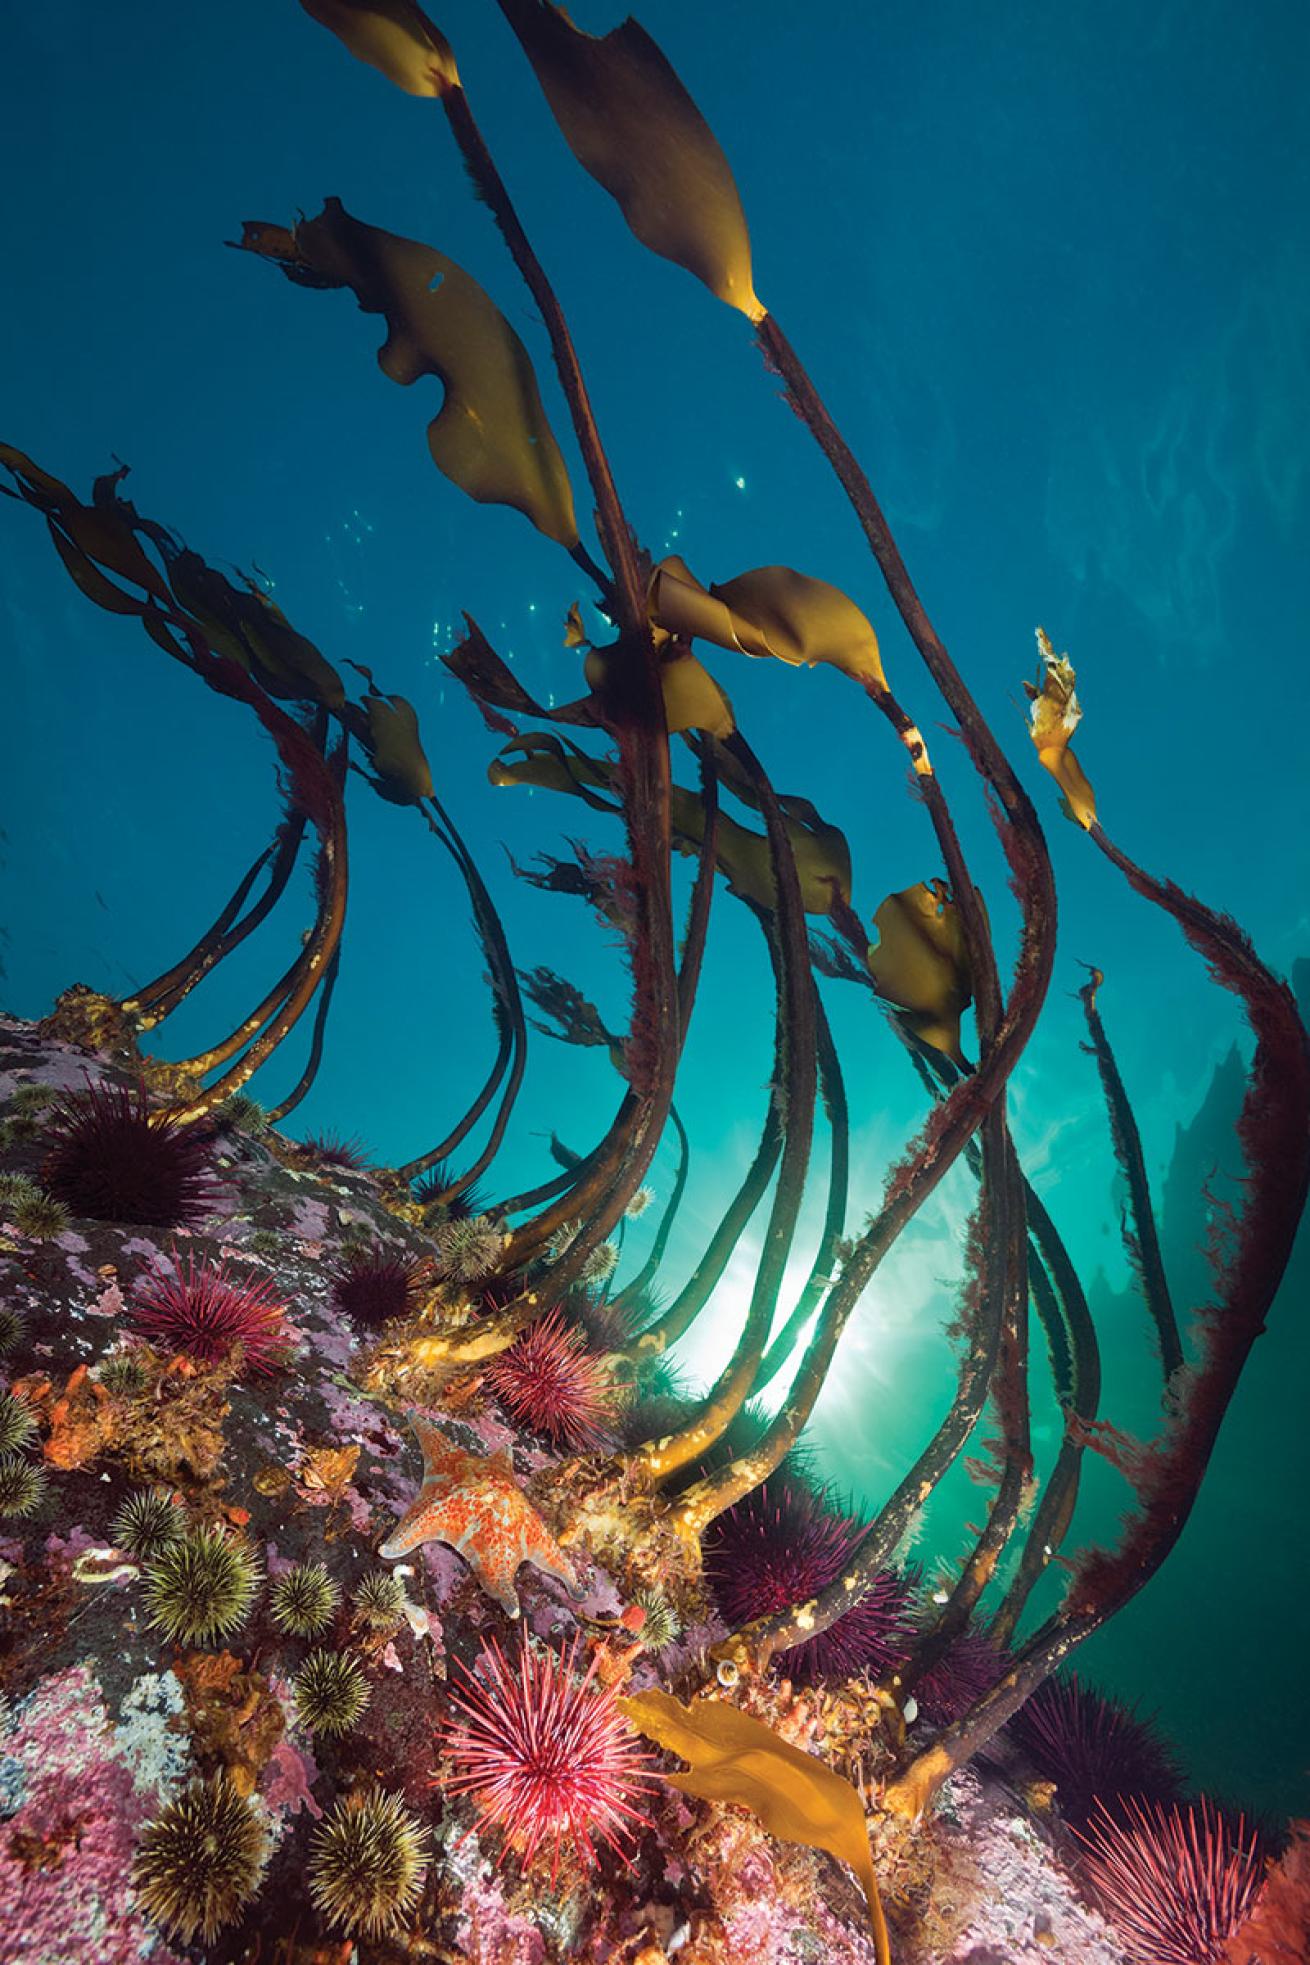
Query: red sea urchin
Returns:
{"type": "Point", "coordinates": [544, 1755]}
{"type": "Point", "coordinates": [782, 1545]}
{"type": "Point", "coordinates": [377, 1284]}
{"type": "Point", "coordinates": [550, 1381]}
{"type": "Point", "coordinates": [206, 1312]}
{"type": "Point", "coordinates": [1094, 1748]}
{"type": "Point", "coordinates": [1175, 1882]}
{"type": "Point", "coordinates": [111, 1158]}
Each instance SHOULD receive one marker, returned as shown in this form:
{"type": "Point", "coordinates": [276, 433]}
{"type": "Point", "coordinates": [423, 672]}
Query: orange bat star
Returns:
{"type": "Point", "coordinates": [479, 1509]}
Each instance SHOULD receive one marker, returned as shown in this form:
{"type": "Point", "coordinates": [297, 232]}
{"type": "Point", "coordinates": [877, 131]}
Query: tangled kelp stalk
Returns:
{"type": "Point", "coordinates": [931, 958]}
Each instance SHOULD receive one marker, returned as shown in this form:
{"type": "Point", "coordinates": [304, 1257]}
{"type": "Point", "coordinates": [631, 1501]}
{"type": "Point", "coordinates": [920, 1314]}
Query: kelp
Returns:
{"type": "Point", "coordinates": [734, 1758]}
{"type": "Point", "coordinates": [929, 958]}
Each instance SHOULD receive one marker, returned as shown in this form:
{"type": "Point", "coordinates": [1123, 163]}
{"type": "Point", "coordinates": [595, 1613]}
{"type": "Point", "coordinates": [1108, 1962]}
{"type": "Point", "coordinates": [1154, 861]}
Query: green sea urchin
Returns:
{"type": "Point", "coordinates": [468, 1248]}
{"type": "Point", "coordinates": [201, 1860]}
{"type": "Point", "coordinates": [367, 1861]}
{"type": "Point", "coordinates": [380, 1600]}
{"type": "Point", "coordinates": [304, 1600]}
{"type": "Point", "coordinates": [662, 1624]}
{"type": "Point", "coordinates": [17, 1423]}
{"type": "Point", "coordinates": [123, 1372]}
{"type": "Point", "coordinates": [29, 1209]}
{"type": "Point", "coordinates": [21, 1485]}
{"type": "Point", "coordinates": [146, 1523]}
{"type": "Point", "coordinates": [12, 1325]}
{"type": "Point", "coordinates": [200, 1587]}
{"type": "Point", "coordinates": [331, 1692]}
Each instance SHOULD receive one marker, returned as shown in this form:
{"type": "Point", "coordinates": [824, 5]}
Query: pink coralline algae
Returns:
{"type": "Point", "coordinates": [66, 1850]}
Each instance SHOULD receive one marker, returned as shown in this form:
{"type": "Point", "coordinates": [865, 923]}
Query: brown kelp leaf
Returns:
{"type": "Point", "coordinates": [739, 1759]}
{"type": "Point", "coordinates": [1054, 717]}
{"type": "Point", "coordinates": [491, 436]}
{"type": "Point", "coordinates": [101, 532]}
{"type": "Point", "coordinates": [769, 611]}
{"type": "Point", "coordinates": [400, 765]}
{"type": "Point", "coordinates": [244, 624]}
{"type": "Point", "coordinates": [822, 855]}
{"type": "Point", "coordinates": [921, 963]}
{"type": "Point", "coordinates": [693, 700]}
{"type": "Point", "coordinates": [394, 36]}
{"type": "Point", "coordinates": [629, 122]}
{"type": "Point", "coordinates": [548, 762]}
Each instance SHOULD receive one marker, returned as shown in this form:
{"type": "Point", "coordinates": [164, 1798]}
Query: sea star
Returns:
{"type": "Point", "coordinates": [478, 1507]}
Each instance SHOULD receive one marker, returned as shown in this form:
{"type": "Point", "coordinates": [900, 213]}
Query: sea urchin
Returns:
{"type": "Point", "coordinates": [304, 1599]}
{"type": "Point", "coordinates": [1094, 1748]}
{"type": "Point", "coordinates": [549, 1380]}
{"type": "Point", "coordinates": [147, 1522]}
{"type": "Point", "coordinates": [781, 1546]}
{"type": "Point", "coordinates": [207, 1312]}
{"type": "Point", "coordinates": [200, 1861]}
{"type": "Point", "coordinates": [366, 1862]}
{"type": "Point", "coordinates": [544, 1755]}
{"type": "Point", "coordinates": [1175, 1882]}
{"type": "Point", "coordinates": [331, 1692]}
{"type": "Point", "coordinates": [200, 1587]}
{"type": "Point", "coordinates": [376, 1284]}
{"type": "Point", "coordinates": [112, 1159]}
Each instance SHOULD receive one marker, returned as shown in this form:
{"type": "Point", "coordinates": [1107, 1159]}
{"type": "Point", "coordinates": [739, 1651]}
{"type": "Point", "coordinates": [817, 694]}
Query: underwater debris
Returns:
{"type": "Point", "coordinates": [302, 1602]}
{"type": "Point", "coordinates": [478, 1507]}
{"type": "Point", "coordinates": [367, 1861]}
{"type": "Point", "coordinates": [331, 1692]}
{"type": "Point", "coordinates": [201, 1860]}
{"type": "Point", "coordinates": [200, 1587]}
{"type": "Point", "coordinates": [111, 1158]}
{"type": "Point", "coordinates": [546, 1755]}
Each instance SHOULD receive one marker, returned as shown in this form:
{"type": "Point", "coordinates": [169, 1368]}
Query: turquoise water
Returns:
{"type": "Point", "coordinates": [1051, 275]}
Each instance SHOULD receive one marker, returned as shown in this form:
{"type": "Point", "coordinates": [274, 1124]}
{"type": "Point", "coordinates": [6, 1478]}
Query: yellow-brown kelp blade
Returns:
{"type": "Point", "coordinates": [821, 853]}
{"type": "Point", "coordinates": [394, 36]}
{"type": "Point", "coordinates": [629, 122]}
{"type": "Point", "coordinates": [395, 750]}
{"type": "Point", "coordinates": [545, 761]}
{"type": "Point", "coordinates": [739, 1759]}
{"type": "Point", "coordinates": [693, 700]}
{"type": "Point", "coordinates": [491, 436]}
{"type": "Point", "coordinates": [772, 610]}
{"type": "Point", "coordinates": [87, 536]}
{"type": "Point", "coordinates": [1053, 718]}
{"type": "Point", "coordinates": [921, 963]}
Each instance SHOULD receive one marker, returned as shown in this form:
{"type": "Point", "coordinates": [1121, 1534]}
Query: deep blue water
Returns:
{"type": "Point", "coordinates": [1049, 267]}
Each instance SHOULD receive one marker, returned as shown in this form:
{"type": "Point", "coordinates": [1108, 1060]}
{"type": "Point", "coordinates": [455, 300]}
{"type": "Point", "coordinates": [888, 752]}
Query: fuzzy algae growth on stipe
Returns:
{"type": "Point", "coordinates": [612, 1674]}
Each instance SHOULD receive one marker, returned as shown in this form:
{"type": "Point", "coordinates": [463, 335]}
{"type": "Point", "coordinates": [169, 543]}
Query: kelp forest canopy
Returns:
{"type": "Point", "coordinates": [667, 816]}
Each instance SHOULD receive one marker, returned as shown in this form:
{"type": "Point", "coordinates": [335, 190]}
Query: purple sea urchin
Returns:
{"type": "Point", "coordinates": [550, 1381]}
{"type": "Point", "coordinates": [376, 1284]}
{"type": "Point", "coordinates": [544, 1755]}
{"type": "Point", "coordinates": [205, 1311]}
{"type": "Point", "coordinates": [331, 1150]}
{"type": "Point", "coordinates": [781, 1545]}
{"type": "Point", "coordinates": [1177, 1883]}
{"type": "Point", "coordinates": [1094, 1748]}
{"type": "Point", "coordinates": [201, 1860]}
{"type": "Point", "coordinates": [112, 1159]}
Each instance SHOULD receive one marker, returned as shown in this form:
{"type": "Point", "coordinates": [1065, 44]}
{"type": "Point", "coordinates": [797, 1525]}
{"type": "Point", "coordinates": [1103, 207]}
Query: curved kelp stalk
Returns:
{"type": "Point", "coordinates": [1274, 1129]}
{"type": "Point", "coordinates": [795, 1093]}
{"type": "Point", "coordinates": [300, 1090]}
{"type": "Point", "coordinates": [238, 643]}
{"type": "Point", "coordinates": [832, 1091]}
{"type": "Point", "coordinates": [1141, 1237]}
